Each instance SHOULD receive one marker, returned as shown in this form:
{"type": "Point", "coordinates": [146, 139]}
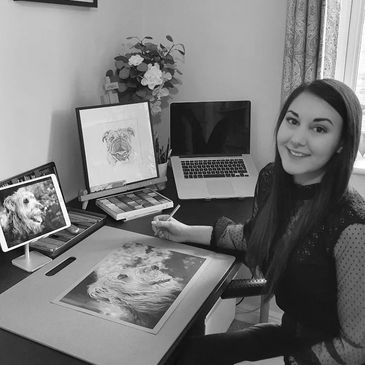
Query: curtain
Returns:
{"type": "Point", "coordinates": [310, 42]}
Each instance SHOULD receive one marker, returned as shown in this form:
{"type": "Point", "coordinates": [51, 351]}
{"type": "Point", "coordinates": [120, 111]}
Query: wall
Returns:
{"type": "Point", "coordinates": [234, 50]}
{"type": "Point", "coordinates": [358, 182]}
{"type": "Point", "coordinates": [54, 57]}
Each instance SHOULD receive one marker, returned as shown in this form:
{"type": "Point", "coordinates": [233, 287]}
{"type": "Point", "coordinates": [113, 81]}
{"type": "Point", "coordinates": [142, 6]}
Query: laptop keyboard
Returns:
{"type": "Point", "coordinates": [199, 169]}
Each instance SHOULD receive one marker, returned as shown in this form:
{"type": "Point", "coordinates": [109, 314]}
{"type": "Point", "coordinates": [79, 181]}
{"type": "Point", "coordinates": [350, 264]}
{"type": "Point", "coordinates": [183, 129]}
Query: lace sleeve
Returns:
{"type": "Point", "coordinates": [231, 236]}
{"type": "Point", "coordinates": [349, 347]}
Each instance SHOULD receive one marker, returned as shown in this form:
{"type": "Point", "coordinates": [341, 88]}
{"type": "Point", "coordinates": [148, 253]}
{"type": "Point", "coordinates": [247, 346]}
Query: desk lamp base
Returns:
{"type": "Point", "coordinates": [31, 261]}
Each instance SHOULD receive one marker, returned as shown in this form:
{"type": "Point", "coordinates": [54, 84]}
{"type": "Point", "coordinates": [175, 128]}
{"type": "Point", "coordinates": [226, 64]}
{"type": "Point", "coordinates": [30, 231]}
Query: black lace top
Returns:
{"type": "Point", "coordinates": [323, 288]}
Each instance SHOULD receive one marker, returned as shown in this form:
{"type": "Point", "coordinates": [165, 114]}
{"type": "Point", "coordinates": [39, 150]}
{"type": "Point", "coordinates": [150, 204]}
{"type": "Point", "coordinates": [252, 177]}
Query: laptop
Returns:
{"type": "Point", "coordinates": [210, 144]}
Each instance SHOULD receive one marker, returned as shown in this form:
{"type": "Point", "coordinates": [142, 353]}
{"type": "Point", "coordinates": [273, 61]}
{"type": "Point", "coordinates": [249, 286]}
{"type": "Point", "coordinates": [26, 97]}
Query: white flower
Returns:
{"type": "Point", "coordinates": [160, 92]}
{"type": "Point", "coordinates": [153, 76]}
{"type": "Point", "coordinates": [166, 76]}
{"type": "Point", "coordinates": [135, 60]}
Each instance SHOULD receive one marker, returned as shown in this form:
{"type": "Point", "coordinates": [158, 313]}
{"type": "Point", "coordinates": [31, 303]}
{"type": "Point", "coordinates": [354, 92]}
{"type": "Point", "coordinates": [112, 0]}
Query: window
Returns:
{"type": "Point", "coordinates": [350, 65]}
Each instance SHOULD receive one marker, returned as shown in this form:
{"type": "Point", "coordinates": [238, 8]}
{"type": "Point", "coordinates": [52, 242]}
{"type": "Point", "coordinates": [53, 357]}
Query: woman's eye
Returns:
{"type": "Point", "coordinates": [320, 129]}
{"type": "Point", "coordinates": [291, 121]}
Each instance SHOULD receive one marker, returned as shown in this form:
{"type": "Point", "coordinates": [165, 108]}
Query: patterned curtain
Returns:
{"type": "Point", "coordinates": [310, 42]}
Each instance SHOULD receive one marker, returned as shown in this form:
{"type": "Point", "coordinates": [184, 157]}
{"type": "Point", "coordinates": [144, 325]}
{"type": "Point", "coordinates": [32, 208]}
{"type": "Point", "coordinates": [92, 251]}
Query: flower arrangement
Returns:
{"type": "Point", "coordinates": [147, 72]}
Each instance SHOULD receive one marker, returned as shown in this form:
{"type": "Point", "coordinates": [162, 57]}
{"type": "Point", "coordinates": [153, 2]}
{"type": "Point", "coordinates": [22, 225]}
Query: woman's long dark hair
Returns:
{"type": "Point", "coordinates": [269, 247]}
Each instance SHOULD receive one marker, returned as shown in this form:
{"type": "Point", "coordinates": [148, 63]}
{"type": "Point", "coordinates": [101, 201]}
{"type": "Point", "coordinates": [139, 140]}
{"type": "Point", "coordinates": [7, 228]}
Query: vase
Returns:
{"type": "Point", "coordinates": [162, 170]}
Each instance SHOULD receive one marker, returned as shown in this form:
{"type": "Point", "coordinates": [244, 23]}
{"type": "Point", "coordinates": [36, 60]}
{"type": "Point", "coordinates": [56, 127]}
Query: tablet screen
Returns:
{"type": "Point", "coordinates": [30, 210]}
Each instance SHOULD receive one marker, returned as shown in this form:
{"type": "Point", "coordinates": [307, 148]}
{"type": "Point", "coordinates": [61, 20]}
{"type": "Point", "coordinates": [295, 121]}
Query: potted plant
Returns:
{"type": "Point", "coordinates": [147, 71]}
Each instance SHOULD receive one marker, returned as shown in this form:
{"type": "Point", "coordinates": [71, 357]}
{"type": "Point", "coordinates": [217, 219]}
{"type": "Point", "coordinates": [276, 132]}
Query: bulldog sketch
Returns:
{"type": "Point", "coordinates": [119, 144]}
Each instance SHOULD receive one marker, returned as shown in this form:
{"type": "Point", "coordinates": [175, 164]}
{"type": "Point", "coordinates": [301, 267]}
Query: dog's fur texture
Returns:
{"type": "Point", "coordinates": [133, 284]}
{"type": "Point", "coordinates": [22, 216]}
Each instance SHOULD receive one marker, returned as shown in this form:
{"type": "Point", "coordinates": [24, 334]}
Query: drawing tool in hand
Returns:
{"type": "Point", "coordinates": [173, 212]}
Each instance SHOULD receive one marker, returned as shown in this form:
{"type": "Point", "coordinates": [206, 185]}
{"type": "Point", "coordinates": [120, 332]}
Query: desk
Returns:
{"type": "Point", "coordinates": [17, 350]}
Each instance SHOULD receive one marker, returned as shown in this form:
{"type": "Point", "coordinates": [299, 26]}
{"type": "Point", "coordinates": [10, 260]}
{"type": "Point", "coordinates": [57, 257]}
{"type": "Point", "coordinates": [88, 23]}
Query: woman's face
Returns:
{"type": "Point", "coordinates": [307, 138]}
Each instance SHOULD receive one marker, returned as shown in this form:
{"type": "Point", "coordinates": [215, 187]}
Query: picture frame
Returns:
{"type": "Point", "coordinates": [87, 3]}
{"type": "Point", "coordinates": [117, 145]}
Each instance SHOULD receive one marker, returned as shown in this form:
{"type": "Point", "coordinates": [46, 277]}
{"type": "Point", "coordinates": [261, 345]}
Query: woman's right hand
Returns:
{"type": "Point", "coordinates": [171, 229]}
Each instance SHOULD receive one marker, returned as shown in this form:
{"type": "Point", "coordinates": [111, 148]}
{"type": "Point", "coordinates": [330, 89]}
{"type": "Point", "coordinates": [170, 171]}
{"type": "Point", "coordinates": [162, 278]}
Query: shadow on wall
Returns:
{"type": "Point", "coordinates": [65, 150]}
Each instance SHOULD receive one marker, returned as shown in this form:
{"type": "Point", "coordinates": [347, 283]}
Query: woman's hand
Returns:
{"type": "Point", "coordinates": [171, 229]}
{"type": "Point", "coordinates": [174, 230]}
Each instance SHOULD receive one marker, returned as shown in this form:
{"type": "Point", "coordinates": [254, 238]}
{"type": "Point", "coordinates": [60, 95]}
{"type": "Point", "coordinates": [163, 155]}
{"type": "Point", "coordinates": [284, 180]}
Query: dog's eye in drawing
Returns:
{"type": "Point", "coordinates": [25, 200]}
{"type": "Point", "coordinates": [154, 267]}
{"type": "Point", "coordinates": [122, 276]}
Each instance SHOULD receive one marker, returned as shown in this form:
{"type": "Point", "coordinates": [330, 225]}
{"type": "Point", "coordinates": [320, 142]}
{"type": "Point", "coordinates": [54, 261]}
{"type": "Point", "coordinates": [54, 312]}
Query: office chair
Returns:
{"type": "Point", "coordinates": [239, 288]}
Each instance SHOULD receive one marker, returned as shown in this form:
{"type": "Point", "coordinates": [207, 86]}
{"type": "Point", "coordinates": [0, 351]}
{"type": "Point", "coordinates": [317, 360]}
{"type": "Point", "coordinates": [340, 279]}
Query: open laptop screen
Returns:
{"type": "Point", "coordinates": [210, 127]}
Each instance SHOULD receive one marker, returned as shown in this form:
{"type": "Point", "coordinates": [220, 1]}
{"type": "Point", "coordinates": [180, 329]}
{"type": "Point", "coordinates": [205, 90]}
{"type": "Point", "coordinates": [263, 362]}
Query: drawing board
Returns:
{"type": "Point", "coordinates": [29, 309]}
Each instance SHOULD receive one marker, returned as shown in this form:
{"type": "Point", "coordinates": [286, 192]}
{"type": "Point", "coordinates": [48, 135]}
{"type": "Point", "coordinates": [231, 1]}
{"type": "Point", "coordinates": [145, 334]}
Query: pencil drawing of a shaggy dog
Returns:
{"type": "Point", "coordinates": [22, 216]}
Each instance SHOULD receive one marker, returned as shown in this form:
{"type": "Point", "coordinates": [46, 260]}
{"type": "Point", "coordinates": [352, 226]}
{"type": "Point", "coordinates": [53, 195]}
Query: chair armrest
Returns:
{"type": "Point", "coordinates": [238, 288]}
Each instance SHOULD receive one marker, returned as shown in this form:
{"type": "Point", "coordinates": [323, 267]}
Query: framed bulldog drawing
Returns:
{"type": "Point", "coordinates": [116, 144]}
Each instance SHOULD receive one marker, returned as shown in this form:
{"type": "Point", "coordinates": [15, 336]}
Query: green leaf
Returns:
{"type": "Point", "coordinates": [148, 37]}
{"type": "Point", "coordinates": [124, 73]}
{"type": "Point", "coordinates": [142, 67]}
{"type": "Point", "coordinates": [169, 66]}
{"type": "Point", "coordinates": [151, 46]}
{"type": "Point", "coordinates": [114, 78]}
{"type": "Point", "coordinates": [142, 93]}
{"type": "Point", "coordinates": [182, 52]}
{"type": "Point", "coordinates": [182, 46]}
{"type": "Point", "coordinates": [169, 38]}
{"type": "Point", "coordinates": [109, 73]}
{"type": "Point", "coordinates": [179, 72]}
{"type": "Point", "coordinates": [120, 64]}
{"type": "Point", "coordinates": [121, 58]}
{"type": "Point", "coordinates": [169, 59]}
{"type": "Point", "coordinates": [122, 87]}
{"type": "Point", "coordinates": [168, 84]}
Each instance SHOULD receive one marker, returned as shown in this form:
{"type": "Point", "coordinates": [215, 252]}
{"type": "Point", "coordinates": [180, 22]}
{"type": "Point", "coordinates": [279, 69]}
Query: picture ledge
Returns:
{"type": "Point", "coordinates": [85, 3]}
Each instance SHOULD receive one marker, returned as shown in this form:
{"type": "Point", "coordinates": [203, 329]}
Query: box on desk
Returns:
{"type": "Point", "coordinates": [134, 204]}
{"type": "Point", "coordinates": [83, 224]}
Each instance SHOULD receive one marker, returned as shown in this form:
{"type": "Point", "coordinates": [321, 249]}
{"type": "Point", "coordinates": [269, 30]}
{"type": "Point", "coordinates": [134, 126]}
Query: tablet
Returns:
{"type": "Point", "coordinates": [30, 210]}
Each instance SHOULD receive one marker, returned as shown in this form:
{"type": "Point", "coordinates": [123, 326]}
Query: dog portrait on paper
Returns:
{"type": "Point", "coordinates": [136, 284]}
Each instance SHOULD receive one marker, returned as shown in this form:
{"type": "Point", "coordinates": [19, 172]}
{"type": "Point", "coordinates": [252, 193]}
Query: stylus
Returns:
{"type": "Point", "coordinates": [173, 212]}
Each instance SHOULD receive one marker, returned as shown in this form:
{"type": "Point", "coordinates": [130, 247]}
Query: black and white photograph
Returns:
{"type": "Point", "coordinates": [137, 285]}
{"type": "Point", "coordinates": [30, 209]}
{"type": "Point", "coordinates": [248, 116]}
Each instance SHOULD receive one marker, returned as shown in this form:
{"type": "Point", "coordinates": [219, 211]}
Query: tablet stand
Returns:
{"type": "Point", "coordinates": [31, 261]}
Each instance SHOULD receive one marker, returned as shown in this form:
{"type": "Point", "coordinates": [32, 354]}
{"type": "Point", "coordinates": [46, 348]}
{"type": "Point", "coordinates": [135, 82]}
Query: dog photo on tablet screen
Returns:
{"type": "Point", "coordinates": [29, 210]}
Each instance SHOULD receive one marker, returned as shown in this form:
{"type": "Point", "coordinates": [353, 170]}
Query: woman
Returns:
{"type": "Point", "coordinates": [312, 250]}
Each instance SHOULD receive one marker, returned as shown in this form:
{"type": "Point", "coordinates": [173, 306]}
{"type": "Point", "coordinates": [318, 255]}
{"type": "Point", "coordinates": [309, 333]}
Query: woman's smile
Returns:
{"type": "Point", "coordinates": [297, 154]}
